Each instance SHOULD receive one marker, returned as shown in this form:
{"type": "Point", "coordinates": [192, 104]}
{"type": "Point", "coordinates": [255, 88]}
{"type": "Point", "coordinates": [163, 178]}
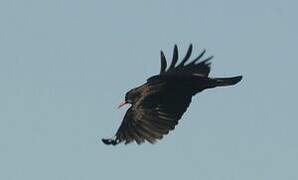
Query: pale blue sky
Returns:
{"type": "Point", "coordinates": [66, 64]}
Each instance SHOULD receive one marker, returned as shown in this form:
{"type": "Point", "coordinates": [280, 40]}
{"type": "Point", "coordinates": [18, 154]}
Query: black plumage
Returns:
{"type": "Point", "coordinates": [158, 104]}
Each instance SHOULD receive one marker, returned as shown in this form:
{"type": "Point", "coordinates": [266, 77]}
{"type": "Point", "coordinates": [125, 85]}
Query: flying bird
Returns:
{"type": "Point", "coordinates": [157, 105]}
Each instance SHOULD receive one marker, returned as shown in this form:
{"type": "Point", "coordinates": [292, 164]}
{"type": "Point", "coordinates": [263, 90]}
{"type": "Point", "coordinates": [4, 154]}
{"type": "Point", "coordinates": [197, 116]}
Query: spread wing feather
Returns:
{"type": "Point", "coordinates": [201, 68]}
{"type": "Point", "coordinates": [187, 56]}
{"type": "Point", "coordinates": [175, 57]}
{"type": "Point", "coordinates": [163, 62]}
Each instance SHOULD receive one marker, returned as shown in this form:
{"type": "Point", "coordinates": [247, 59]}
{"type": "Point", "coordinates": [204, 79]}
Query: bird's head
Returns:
{"type": "Point", "coordinates": [131, 97]}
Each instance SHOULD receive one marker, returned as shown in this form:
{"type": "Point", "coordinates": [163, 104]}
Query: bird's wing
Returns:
{"type": "Point", "coordinates": [194, 67]}
{"type": "Point", "coordinates": [153, 116]}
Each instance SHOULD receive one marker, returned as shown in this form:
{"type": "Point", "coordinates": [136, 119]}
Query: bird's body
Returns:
{"type": "Point", "coordinates": [158, 104]}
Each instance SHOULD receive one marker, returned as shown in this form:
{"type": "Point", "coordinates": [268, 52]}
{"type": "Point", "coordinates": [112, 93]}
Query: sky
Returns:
{"type": "Point", "coordinates": [65, 65]}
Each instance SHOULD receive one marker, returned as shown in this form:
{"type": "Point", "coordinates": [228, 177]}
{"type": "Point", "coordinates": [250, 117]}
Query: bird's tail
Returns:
{"type": "Point", "coordinates": [224, 81]}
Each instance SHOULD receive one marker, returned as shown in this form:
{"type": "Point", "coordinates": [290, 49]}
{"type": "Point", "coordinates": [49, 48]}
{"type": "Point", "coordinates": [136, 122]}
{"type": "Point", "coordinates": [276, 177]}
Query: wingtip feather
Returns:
{"type": "Point", "coordinates": [163, 62]}
{"type": "Point", "coordinates": [175, 57]}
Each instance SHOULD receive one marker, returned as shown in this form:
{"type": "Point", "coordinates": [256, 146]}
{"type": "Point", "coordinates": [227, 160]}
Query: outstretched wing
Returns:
{"type": "Point", "coordinates": [152, 117]}
{"type": "Point", "coordinates": [201, 68]}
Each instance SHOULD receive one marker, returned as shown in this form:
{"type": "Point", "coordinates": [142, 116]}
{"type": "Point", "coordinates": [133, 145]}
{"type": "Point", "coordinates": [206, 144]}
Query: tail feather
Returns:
{"type": "Point", "coordinates": [225, 81]}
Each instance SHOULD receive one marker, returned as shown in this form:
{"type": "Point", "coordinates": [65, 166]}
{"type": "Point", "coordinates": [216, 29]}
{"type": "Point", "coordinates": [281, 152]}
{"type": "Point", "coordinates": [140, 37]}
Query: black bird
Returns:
{"type": "Point", "coordinates": [158, 104]}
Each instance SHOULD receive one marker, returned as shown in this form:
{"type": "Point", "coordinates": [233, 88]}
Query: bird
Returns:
{"type": "Point", "coordinates": [158, 105]}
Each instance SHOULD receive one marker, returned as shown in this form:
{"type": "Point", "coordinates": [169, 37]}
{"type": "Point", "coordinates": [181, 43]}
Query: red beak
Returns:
{"type": "Point", "coordinates": [122, 104]}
